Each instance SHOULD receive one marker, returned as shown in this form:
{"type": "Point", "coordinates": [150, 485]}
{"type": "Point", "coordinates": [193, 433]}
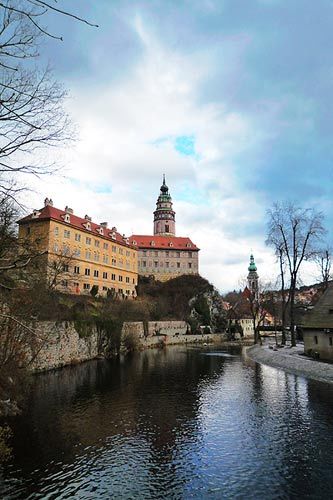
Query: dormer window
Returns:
{"type": "Point", "coordinates": [113, 235]}
{"type": "Point", "coordinates": [170, 244]}
{"type": "Point", "coordinates": [87, 225]}
{"type": "Point", "coordinates": [67, 218]}
{"type": "Point", "coordinates": [35, 214]}
{"type": "Point", "coordinates": [100, 230]}
{"type": "Point", "coordinates": [152, 243]}
{"type": "Point", "coordinates": [134, 242]}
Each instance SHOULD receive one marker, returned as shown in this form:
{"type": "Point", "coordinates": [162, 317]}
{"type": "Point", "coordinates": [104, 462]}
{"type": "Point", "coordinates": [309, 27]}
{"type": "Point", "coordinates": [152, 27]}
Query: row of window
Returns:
{"type": "Point", "coordinates": [157, 264]}
{"type": "Point", "coordinates": [167, 253]}
{"type": "Point", "coordinates": [105, 275]}
{"type": "Point", "coordinates": [88, 241]}
{"type": "Point", "coordinates": [94, 256]}
{"type": "Point", "coordinates": [87, 286]}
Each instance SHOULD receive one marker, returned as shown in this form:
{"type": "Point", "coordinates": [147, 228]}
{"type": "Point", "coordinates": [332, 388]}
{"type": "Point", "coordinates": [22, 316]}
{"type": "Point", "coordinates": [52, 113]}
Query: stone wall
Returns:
{"type": "Point", "coordinates": [320, 342]}
{"type": "Point", "coordinates": [60, 344]}
{"type": "Point", "coordinates": [167, 327]}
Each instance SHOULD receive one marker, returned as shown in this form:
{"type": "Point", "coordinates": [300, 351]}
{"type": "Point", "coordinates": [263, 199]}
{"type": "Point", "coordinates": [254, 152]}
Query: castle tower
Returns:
{"type": "Point", "coordinates": [253, 278]}
{"type": "Point", "coordinates": [164, 215]}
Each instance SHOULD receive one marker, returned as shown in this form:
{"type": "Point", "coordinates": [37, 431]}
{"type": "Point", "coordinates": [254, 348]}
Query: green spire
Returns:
{"type": "Point", "coordinates": [252, 266]}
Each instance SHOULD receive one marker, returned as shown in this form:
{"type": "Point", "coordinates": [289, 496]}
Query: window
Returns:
{"type": "Point", "coordinates": [96, 243]}
{"type": "Point", "coordinates": [105, 275]}
{"type": "Point", "coordinates": [76, 270]}
{"type": "Point", "coordinates": [127, 280]}
{"type": "Point", "coordinates": [315, 339]}
{"type": "Point", "coordinates": [190, 255]}
{"type": "Point", "coordinates": [86, 286]}
{"type": "Point", "coordinates": [120, 278]}
{"type": "Point", "coordinates": [133, 281]}
{"type": "Point", "coordinates": [178, 265]}
{"type": "Point", "coordinates": [120, 290]}
{"type": "Point", "coordinates": [128, 253]}
{"type": "Point", "coordinates": [167, 228]}
{"type": "Point", "coordinates": [156, 263]}
{"type": "Point", "coordinates": [144, 252]}
{"type": "Point", "coordinates": [67, 234]}
{"type": "Point", "coordinates": [121, 251]}
{"type": "Point", "coordinates": [87, 271]}
{"type": "Point", "coordinates": [190, 265]}
{"type": "Point", "coordinates": [155, 253]}
{"type": "Point", "coordinates": [114, 262]}
{"type": "Point", "coordinates": [178, 254]}
{"type": "Point", "coordinates": [113, 277]}
{"type": "Point", "coordinates": [95, 273]}
{"type": "Point", "coordinates": [56, 247]}
{"type": "Point", "coordinates": [96, 257]}
{"type": "Point", "coordinates": [167, 264]}
{"type": "Point", "coordinates": [105, 259]}
{"type": "Point", "coordinates": [65, 268]}
{"type": "Point", "coordinates": [77, 237]}
{"type": "Point", "coordinates": [56, 231]}
{"type": "Point", "coordinates": [77, 252]}
{"type": "Point", "coordinates": [144, 263]}
{"type": "Point", "coordinates": [167, 253]}
{"type": "Point", "coordinates": [88, 254]}
{"type": "Point", "coordinates": [105, 288]}
{"type": "Point", "coordinates": [330, 339]}
{"type": "Point", "coordinates": [114, 249]}
{"type": "Point", "coordinates": [105, 246]}
{"type": "Point", "coordinates": [64, 283]}
{"type": "Point", "coordinates": [88, 241]}
{"type": "Point", "coordinates": [128, 292]}
{"type": "Point", "coordinates": [66, 249]}
{"type": "Point", "coordinates": [67, 218]}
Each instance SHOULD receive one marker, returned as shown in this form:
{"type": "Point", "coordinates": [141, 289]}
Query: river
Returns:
{"type": "Point", "coordinates": [173, 423]}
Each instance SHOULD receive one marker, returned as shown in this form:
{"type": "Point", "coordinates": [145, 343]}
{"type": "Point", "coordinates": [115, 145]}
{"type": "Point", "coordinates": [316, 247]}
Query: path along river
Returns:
{"type": "Point", "coordinates": [174, 423]}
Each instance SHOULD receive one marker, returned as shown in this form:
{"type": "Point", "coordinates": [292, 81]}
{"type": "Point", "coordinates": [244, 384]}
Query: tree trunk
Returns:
{"type": "Point", "coordinates": [292, 312]}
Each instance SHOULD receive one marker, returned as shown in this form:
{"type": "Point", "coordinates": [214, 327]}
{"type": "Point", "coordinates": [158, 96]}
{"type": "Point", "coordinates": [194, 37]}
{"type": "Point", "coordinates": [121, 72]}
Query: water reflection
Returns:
{"type": "Point", "coordinates": [177, 423]}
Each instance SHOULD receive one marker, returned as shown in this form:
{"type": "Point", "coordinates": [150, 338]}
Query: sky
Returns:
{"type": "Point", "coordinates": [231, 99]}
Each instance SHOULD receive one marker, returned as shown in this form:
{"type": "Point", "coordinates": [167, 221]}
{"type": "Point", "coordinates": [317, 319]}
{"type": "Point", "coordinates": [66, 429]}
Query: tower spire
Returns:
{"type": "Point", "coordinates": [253, 278]}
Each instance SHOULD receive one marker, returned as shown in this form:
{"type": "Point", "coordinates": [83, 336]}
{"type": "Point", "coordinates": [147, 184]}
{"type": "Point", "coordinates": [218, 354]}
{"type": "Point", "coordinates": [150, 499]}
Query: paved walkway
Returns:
{"type": "Point", "coordinates": [291, 360]}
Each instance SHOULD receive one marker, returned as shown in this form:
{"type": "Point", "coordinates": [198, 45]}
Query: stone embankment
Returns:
{"type": "Point", "coordinates": [64, 343]}
{"type": "Point", "coordinates": [292, 360]}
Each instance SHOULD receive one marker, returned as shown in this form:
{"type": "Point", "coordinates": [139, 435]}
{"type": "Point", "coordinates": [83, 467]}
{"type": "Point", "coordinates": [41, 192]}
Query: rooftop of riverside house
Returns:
{"type": "Point", "coordinates": [163, 242]}
{"type": "Point", "coordinates": [67, 217]}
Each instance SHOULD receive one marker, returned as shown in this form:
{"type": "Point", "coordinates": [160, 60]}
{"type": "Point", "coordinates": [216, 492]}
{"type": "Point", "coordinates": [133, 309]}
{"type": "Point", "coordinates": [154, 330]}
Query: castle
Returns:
{"type": "Point", "coordinates": [78, 254]}
{"type": "Point", "coordinates": [164, 255]}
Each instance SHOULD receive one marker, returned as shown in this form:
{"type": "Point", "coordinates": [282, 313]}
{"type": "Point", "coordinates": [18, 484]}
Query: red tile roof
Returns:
{"type": "Point", "coordinates": [52, 213]}
{"type": "Point", "coordinates": [162, 242]}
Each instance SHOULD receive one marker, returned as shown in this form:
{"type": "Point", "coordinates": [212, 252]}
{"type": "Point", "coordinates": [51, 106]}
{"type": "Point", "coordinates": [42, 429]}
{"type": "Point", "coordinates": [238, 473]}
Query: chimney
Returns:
{"type": "Point", "coordinates": [68, 210]}
{"type": "Point", "coordinates": [87, 218]}
{"type": "Point", "coordinates": [114, 229]}
{"type": "Point", "coordinates": [104, 224]}
{"type": "Point", "coordinates": [47, 202]}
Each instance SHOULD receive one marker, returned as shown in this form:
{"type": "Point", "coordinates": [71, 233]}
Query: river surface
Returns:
{"type": "Point", "coordinates": [174, 423]}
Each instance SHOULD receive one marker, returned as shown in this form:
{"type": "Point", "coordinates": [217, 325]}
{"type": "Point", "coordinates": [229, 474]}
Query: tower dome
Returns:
{"type": "Point", "coordinates": [164, 188]}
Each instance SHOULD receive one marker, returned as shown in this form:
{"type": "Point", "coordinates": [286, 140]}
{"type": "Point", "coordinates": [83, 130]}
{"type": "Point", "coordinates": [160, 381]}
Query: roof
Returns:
{"type": "Point", "coordinates": [321, 316]}
{"type": "Point", "coordinates": [162, 242]}
{"type": "Point", "coordinates": [51, 213]}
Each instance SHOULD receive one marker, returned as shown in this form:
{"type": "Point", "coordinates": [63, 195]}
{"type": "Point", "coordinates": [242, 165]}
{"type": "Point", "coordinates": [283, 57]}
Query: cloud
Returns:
{"type": "Point", "coordinates": [229, 99]}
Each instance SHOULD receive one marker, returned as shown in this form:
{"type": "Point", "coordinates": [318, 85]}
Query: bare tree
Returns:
{"type": "Point", "coordinates": [32, 115]}
{"type": "Point", "coordinates": [294, 233]}
{"type": "Point", "coordinates": [324, 264]}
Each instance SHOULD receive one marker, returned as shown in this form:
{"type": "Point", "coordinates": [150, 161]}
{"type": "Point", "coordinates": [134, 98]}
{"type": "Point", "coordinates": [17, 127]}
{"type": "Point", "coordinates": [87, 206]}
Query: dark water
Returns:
{"type": "Point", "coordinates": [175, 423]}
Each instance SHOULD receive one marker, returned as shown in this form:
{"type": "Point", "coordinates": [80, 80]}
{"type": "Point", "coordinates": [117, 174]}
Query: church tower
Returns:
{"type": "Point", "coordinates": [164, 215]}
{"type": "Point", "coordinates": [253, 278]}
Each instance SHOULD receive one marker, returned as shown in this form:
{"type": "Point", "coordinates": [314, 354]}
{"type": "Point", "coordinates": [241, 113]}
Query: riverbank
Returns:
{"type": "Point", "coordinates": [292, 360]}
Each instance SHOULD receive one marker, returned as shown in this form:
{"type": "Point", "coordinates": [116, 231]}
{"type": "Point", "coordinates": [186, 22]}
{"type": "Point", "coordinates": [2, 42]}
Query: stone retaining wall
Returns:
{"type": "Point", "coordinates": [60, 344]}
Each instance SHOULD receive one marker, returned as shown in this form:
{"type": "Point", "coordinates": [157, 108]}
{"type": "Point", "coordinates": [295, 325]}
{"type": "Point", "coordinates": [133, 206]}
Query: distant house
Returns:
{"type": "Point", "coordinates": [318, 327]}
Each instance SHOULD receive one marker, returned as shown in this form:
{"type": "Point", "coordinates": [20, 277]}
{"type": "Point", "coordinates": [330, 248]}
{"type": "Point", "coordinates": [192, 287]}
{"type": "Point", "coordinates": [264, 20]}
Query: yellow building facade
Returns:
{"type": "Point", "coordinates": [79, 253]}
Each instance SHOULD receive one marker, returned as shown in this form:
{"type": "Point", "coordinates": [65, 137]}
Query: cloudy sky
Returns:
{"type": "Point", "coordinates": [231, 99]}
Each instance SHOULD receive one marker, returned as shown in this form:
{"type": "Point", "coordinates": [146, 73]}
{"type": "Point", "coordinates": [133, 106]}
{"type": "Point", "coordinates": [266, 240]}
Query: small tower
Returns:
{"type": "Point", "coordinates": [253, 278]}
{"type": "Point", "coordinates": [164, 215]}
